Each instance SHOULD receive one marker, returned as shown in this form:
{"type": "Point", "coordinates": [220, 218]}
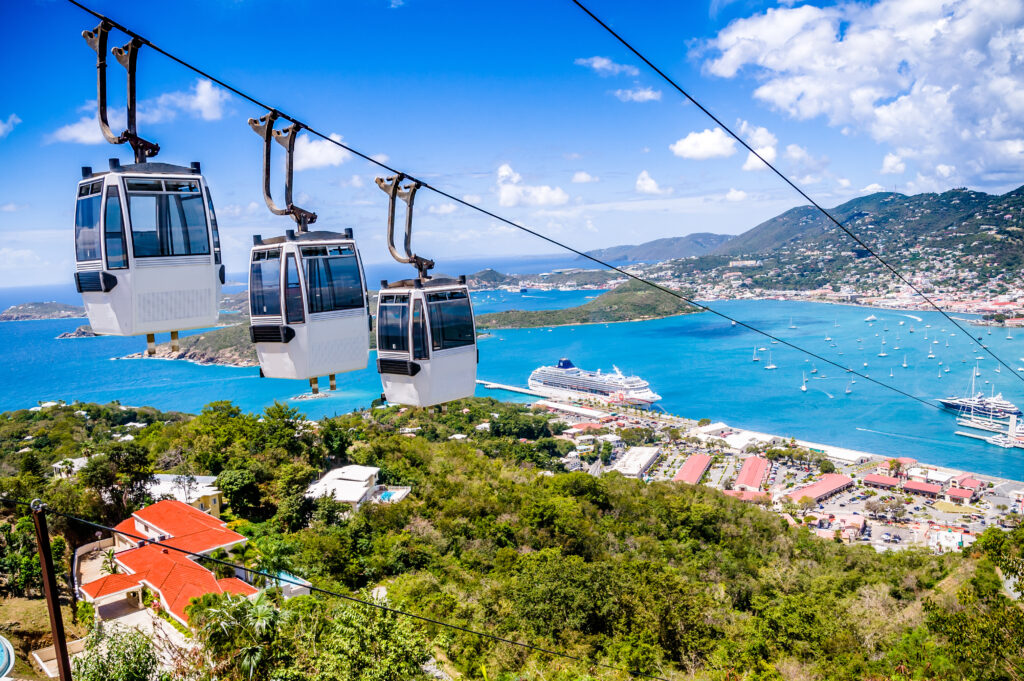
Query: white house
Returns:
{"type": "Point", "coordinates": [353, 485]}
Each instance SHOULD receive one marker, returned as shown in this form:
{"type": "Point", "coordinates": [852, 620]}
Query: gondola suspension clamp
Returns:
{"type": "Point", "coordinates": [392, 186]}
{"type": "Point", "coordinates": [264, 127]}
{"type": "Point", "coordinates": [127, 57]}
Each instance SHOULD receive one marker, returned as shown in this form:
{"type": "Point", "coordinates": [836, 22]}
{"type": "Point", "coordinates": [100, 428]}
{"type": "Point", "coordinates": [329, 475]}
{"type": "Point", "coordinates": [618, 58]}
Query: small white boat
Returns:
{"type": "Point", "coordinates": [791, 324]}
{"type": "Point", "coordinates": [756, 358]}
{"type": "Point", "coordinates": [814, 369]}
{"type": "Point", "coordinates": [848, 389]}
{"type": "Point", "coordinates": [770, 365]}
{"type": "Point", "coordinates": [803, 386]}
{"type": "Point", "coordinates": [931, 355]}
{"type": "Point", "coordinates": [904, 365]}
{"type": "Point", "coordinates": [891, 375]}
{"type": "Point", "coordinates": [828, 339]}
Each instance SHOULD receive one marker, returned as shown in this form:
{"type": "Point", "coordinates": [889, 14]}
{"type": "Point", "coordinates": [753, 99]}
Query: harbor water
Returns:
{"type": "Point", "coordinates": [700, 364]}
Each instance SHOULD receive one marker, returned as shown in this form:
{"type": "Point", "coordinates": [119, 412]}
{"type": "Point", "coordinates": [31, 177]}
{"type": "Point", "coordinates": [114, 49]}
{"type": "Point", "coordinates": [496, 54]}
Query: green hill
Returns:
{"type": "Point", "coordinates": [687, 246]}
{"type": "Point", "coordinates": [633, 301]}
{"type": "Point", "coordinates": [50, 310]}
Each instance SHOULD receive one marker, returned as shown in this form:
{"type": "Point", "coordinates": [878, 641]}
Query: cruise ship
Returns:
{"type": "Point", "coordinates": [567, 381]}
{"type": "Point", "coordinates": [990, 407]}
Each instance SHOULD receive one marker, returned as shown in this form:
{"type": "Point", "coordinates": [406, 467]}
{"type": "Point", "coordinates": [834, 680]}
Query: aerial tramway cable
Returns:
{"type": "Point", "coordinates": [495, 216]}
{"type": "Point", "coordinates": [372, 604]}
{"type": "Point", "coordinates": [860, 242]}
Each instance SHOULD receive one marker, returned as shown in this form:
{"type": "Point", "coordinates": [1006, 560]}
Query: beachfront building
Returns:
{"type": "Point", "coordinates": [884, 482]}
{"type": "Point", "coordinates": [896, 466]}
{"type": "Point", "coordinates": [959, 495]}
{"type": "Point", "coordinates": [636, 461]}
{"type": "Point", "coordinates": [924, 489]}
{"type": "Point", "coordinates": [967, 481]}
{"type": "Point", "coordinates": [198, 491]}
{"type": "Point", "coordinates": [827, 486]}
{"type": "Point", "coordinates": [175, 578]}
{"type": "Point", "coordinates": [752, 475]}
{"type": "Point", "coordinates": [930, 476]}
{"type": "Point", "coordinates": [693, 469]}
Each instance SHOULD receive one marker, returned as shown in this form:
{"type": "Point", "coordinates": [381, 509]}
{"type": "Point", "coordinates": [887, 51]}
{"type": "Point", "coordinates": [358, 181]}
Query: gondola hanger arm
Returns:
{"type": "Point", "coordinates": [264, 127]}
{"type": "Point", "coordinates": [392, 186]}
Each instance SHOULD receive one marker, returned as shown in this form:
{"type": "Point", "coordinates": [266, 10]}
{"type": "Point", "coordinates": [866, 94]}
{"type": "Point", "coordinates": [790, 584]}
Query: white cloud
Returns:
{"type": "Point", "coordinates": [205, 101]}
{"type": "Point", "coordinates": [763, 142]}
{"type": "Point", "coordinates": [944, 170]}
{"type": "Point", "coordinates": [380, 158]}
{"type": "Point", "coordinates": [645, 184]}
{"type": "Point", "coordinates": [511, 191]}
{"type": "Point", "coordinates": [936, 79]}
{"type": "Point", "coordinates": [843, 183]}
{"type": "Point", "coordinates": [583, 177]}
{"type": "Point", "coordinates": [356, 181]}
{"type": "Point", "coordinates": [8, 125]}
{"type": "Point", "coordinates": [873, 188]}
{"type": "Point", "coordinates": [604, 66]}
{"type": "Point", "coordinates": [639, 94]}
{"type": "Point", "coordinates": [735, 195]}
{"type": "Point", "coordinates": [318, 153]}
{"type": "Point", "coordinates": [704, 145]}
{"type": "Point", "coordinates": [442, 209]}
{"type": "Point", "coordinates": [892, 165]}
{"type": "Point", "coordinates": [472, 198]}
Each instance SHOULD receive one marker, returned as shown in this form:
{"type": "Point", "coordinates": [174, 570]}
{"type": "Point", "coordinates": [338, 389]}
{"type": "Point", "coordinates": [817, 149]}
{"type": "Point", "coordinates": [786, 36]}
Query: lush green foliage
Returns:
{"type": "Point", "coordinates": [119, 655]}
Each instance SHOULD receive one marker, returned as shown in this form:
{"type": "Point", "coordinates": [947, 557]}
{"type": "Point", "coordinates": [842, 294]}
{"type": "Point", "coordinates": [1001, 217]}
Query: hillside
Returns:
{"type": "Point", "coordinates": [666, 579]}
{"type": "Point", "coordinates": [51, 310]}
{"type": "Point", "coordinates": [633, 301]}
{"type": "Point", "coordinates": [687, 246]}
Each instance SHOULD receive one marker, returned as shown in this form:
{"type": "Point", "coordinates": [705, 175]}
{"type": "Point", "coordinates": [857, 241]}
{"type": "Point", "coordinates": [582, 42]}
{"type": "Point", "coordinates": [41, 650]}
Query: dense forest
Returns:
{"type": "Point", "coordinates": [664, 578]}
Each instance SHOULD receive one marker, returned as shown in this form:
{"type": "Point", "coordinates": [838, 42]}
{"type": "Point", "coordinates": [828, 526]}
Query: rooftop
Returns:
{"type": "Point", "coordinates": [876, 479]}
{"type": "Point", "coordinates": [693, 469]}
{"type": "Point", "coordinates": [829, 484]}
{"type": "Point", "coordinates": [752, 473]}
{"type": "Point", "coordinates": [915, 486]}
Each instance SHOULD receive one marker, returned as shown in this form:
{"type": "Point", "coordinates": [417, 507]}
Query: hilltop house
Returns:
{"type": "Point", "coordinates": [355, 485]}
{"type": "Point", "coordinates": [175, 578]}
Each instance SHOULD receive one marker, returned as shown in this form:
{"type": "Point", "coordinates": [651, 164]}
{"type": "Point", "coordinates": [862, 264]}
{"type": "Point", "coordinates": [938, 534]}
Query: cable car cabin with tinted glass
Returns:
{"type": "Point", "coordinates": [147, 250]}
{"type": "Point", "coordinates": [308, 305]}
{"type": "Point", "coordinates": [426, 341]}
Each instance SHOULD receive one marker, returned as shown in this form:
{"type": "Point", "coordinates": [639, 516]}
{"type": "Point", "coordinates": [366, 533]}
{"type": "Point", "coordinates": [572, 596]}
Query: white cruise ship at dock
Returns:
{"type": "Point", "coordinates": [567, 381]}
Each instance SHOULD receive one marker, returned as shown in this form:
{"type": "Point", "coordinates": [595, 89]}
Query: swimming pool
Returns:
{"type": "Point", "coordinates": [6, 657]}
{"type": "Point", "coordinates": [386, 496]}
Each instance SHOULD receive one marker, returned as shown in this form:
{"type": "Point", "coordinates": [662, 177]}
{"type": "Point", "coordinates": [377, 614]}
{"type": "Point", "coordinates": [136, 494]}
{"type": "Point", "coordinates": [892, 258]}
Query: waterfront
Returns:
{"type": "Point", "coordinates": [700, 364]}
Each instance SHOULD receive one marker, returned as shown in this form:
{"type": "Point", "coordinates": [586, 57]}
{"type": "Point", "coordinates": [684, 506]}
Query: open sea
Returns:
{"type": "Point", "coordinates": [701, 366]}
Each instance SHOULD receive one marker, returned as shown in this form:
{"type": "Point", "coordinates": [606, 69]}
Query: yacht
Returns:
{"type": "Point", "coordinates": [566, 380]}
{"type": "Point", "coordinates": [993, 406]}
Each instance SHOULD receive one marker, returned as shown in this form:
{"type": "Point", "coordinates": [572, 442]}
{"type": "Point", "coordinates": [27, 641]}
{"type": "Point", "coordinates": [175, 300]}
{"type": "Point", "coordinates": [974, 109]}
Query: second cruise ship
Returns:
{"type": "Point", "coordinates": [567, 381]}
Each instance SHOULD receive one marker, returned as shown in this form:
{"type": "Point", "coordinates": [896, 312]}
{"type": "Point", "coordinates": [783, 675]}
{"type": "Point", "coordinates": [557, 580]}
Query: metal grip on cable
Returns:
{"type": "Point", "coordinates": [127, 56]}
{"type": "Point", "coordinates": [392, 186]}
{"type": "Point", "coordinates": [264, 127]}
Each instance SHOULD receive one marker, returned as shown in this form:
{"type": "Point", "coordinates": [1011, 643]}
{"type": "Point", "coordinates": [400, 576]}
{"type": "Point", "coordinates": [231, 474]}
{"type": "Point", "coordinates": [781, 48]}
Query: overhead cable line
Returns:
{"type": "Point", "coordinates": [860, 242]}
{"type": "Point", "coordinates": [495, 216]}
{"type": "Point", "coordinates": [327, 592]}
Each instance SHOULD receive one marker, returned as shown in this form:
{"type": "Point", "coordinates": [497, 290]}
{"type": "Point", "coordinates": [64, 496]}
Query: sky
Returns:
{"type": "Point", "coordinates": [528, 109]}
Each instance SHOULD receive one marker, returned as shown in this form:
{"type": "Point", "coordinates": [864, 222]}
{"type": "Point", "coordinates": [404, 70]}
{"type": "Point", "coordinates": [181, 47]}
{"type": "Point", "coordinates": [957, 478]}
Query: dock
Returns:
{"type": "Point", "coordinates": [491, 385]}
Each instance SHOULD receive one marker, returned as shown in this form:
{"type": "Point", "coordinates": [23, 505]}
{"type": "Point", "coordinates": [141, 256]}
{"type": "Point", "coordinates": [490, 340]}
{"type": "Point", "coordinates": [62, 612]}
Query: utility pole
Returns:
{"type": "Point", "coordinates": [60, 645]}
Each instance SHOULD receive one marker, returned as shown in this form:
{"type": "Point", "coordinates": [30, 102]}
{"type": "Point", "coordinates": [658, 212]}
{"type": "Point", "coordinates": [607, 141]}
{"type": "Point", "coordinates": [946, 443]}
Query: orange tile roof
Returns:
{"type": "Point", "coordinates": [886, 480]}
{"type": "Point", "coordinates": [174, 575]}
{"type": "Point", "coordinates": [752, 473]}
{"type": "Point", "coordinates": [959, 493]}
{"type": "Point", "coordinates": [829, 484]}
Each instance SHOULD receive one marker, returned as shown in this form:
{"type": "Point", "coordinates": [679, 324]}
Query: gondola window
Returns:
{"type": "Point", "coordinates": [451, 319]}
{"type": "Point", "coordinates": [293, 293]}
{"type": "Point", "coordinates": [113, 231]}
{"type": "Point", "coordinates": [393, 322]}
{"type": "Point", "coordinates": [167, 218]}
{"type": "Point", "coordinates": [265, 283]}
{"type": "Point", "coordinates": [333, 278]}
{"type": "Point", "coordinates": [87, 222]}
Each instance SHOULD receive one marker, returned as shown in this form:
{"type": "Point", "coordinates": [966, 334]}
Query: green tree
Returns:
{"type": "Point", "coordinates": [241, 491]}
{"type": "Point", "coordinates": [121, 655]}
{"type": "Point", "coordinates": [240, 638]}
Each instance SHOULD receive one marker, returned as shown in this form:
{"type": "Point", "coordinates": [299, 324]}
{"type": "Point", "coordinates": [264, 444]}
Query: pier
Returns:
{"type": "Point", "coordinates": [491, 385]}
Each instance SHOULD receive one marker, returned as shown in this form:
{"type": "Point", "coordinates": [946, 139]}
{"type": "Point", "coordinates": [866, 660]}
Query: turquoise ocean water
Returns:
{"type": "Point", "coordinates": [700, 364]}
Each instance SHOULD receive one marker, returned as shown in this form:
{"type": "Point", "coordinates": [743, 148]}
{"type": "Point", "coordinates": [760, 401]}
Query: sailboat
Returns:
{"type": "Point", "coordinates": [791, 324]}
{"type": "Point", "coordinates": [881, 351]}
{"type": "Point", "coordinates": [931, 355]}
{"type": "Point", "coordinates": [904, 365]}
{"type": "Point", "coordinates": [1009, 336]}
{"type": "Point", "coordinates": [836, 324]}
{"type": "Point", "coordinates": [848, 389]}
{"type": "Point", "coordinates": [890, 373]}
{"type": "Point", "coordinates": [803, 386]}
{"type": "Point", "coordinates": [814, 369]}
{"type": "Point", "coordinates": [756, 358]}
{"type": "Point", "coordinates": [770, 364]}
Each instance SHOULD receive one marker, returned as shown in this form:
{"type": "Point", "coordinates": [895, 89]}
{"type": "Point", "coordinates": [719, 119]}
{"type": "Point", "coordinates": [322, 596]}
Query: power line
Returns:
{"type": "Point", "coordinates": [327, 592]}
{"type": "Point", "coordinates": [896, 273]}
{"type": "Point", "coordinates": [497, 217]}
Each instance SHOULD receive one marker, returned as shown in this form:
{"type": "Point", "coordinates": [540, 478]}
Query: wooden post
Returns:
{"type": "Point", "coordinates": [150, 344]}
{"type": "Point", "coordinates": [60, 645]}
{"type": "Point", "coordinates": [174, 341]}
{"type": "Point", "coordinates": [334, 383]}
{"type": "Point", "coordinates": [314, 385]}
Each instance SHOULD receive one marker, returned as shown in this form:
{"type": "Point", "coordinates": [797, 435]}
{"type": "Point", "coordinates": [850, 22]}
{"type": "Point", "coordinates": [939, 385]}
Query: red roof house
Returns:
{"type": "Point", "coordinates": [829, 484]}
{"type": "Point", "coordinates": [958, 495]}
{"type": "Point", "coordinates": [752, 474]}
{"type": "Point", "coordinates": [922, 488]}
{"type": "Point", "coordinates": [965, 481]}
{"type": "Point", "coordinates": [693, 469]}
{"type": "Point", "coordinates": [175, 577]}
{"type": "Point", "coordinates": [883, 481]}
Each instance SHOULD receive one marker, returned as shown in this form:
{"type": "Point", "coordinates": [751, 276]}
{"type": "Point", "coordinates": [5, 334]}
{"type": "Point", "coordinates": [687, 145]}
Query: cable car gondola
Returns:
{"type": "Point", "coordinates": [426, 332]}
{"type": "Point", "coordinates": [307, 294]}
{"type": "Point", "coordinates": [147, 250]}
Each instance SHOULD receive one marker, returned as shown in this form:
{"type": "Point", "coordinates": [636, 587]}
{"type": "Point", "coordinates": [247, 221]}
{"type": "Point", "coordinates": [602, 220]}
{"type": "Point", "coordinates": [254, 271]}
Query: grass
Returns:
{"type": "Point", "coordinates": [26, 624]}
{"type": "Point", "coordinates": [947, 507]}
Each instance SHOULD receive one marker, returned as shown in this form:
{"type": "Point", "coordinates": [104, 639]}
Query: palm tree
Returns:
{"type": "Point", "coordinates": [239, 635]}
{"type": "Point", "coordinates": [109, 566]}
{"type": "Point", "coordinates": [273, 559]}
{"type": "Point", "coordinates": [244, 553]}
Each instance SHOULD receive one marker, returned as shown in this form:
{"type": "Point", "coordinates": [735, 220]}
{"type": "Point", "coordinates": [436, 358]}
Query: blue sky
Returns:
{"type": "Point", "coordinates": [527, 108]}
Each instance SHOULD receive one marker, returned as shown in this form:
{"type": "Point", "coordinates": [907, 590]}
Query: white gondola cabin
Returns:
{"type": "Point", "coordinates": [308, 305]}
{"type": "Point", "coordinates": [147, 249]}
{"type": "Point", "coordinates": [426, 341]}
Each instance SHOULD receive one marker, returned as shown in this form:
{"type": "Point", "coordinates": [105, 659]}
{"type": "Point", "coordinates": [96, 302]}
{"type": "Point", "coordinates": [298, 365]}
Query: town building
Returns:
{"type": "Point", "coordinates": [959, 495]}
{"type": "Point", "coordinates": [886, 482]}
{"type": "Point", "coordinates": [693, 469]}
{"type": "Point", "coordinates": [636, 461]}
{"type": "Point", "coordinates": [818, 491]}
{"type": "Point", "coordinates": [924, 489]}
{"type": "Point", "coordinates": [198, 491]}
{"type": "Point", "coordinates": [355, 485]}
{"type": "Point", "coordinates": [752, 475]}
{"type": "Point", "coordinates": [174, 577]}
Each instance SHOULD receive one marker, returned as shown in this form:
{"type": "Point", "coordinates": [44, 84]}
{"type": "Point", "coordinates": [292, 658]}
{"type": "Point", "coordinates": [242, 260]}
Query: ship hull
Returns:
{"type": "Point", "coordinates": [612, 398]}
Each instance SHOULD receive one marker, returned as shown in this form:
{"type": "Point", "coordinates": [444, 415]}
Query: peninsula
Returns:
{"type": "Point", "coordinates": [34, 311]}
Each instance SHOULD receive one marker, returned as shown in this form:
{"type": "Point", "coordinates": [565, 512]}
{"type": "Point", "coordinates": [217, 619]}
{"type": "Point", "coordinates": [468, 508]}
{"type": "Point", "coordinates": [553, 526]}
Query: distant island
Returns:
{"type": "Point", "coordinates": [84, 331]}
{"type": "Point", "coordinates": [630, 302]}
{"type": "Point", "coordinates": [34, 311]}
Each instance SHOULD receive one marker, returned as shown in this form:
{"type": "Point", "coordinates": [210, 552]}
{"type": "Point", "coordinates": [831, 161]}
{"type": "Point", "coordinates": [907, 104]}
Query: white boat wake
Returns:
{"type": "Point", "coordinates": [906, 437]}
{"type": "Point", "coordinates": [914, 317]}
